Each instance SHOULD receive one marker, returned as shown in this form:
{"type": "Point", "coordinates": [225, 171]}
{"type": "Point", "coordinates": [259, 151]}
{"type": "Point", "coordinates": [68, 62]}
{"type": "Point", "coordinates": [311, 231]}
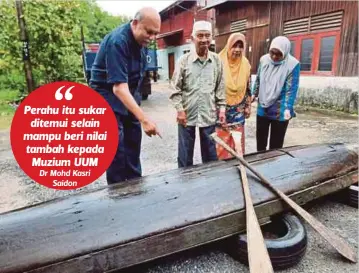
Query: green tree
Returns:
{"type": "Point", "coordinates": [54, 39]}
{"type": "Point", "coordinates": [98, 23]}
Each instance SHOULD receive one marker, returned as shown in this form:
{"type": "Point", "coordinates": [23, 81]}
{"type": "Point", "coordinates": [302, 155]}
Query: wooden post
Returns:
{"type": "Point", "coordinates": [25, 47]}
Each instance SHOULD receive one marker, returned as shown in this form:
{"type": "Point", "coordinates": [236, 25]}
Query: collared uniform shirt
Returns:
{"type": "Point", "coordinates": [199, 88]}
{"type": "Point", "coordinates": [120, 59]}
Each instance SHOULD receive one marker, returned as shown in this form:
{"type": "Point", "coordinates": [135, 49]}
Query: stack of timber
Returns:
{"type": "Point", "coordinates": [119, 226]}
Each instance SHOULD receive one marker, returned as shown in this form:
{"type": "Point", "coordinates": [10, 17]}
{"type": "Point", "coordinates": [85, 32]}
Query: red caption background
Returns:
{"type": "Point", "coordinates": [64, 135]}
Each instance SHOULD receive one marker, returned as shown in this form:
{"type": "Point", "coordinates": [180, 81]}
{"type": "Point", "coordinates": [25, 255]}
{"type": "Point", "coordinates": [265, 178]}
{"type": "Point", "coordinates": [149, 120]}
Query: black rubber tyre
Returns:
{"type": "Point", "coordinates": [353, 196]}
{"type": "Point", "coordinates": [348, 196]}
{"type": "Point", "coordinates": [285, 251]}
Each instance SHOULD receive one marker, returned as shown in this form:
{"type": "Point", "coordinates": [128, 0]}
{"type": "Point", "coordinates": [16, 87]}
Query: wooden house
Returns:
{"type": "Point", "coordinates": [323, 34]}
{"type": "Point", "coordinates": [175, 37]}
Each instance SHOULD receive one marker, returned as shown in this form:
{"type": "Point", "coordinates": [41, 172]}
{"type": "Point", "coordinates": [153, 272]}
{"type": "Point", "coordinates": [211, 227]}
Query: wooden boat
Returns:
{"type": "Point", "coordinates": [127, 224]}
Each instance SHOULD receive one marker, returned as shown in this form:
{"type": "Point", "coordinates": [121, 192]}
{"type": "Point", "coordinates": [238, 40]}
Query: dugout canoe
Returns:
{"type": "Point", "coordinates": [115, 227]}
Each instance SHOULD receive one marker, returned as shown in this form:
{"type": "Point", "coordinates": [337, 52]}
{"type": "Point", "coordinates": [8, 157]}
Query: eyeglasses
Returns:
{"type": "Point", "coordinates": [276, 53]}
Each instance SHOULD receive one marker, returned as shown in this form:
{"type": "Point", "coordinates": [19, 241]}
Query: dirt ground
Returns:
{"type": "Point", "coordinates": [17, 190]}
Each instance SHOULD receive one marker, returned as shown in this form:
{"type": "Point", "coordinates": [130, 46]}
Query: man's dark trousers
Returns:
{"type": "Point", "coordinates": [186, 140]}
{"type": "Point", "coordinates": [126, 163]}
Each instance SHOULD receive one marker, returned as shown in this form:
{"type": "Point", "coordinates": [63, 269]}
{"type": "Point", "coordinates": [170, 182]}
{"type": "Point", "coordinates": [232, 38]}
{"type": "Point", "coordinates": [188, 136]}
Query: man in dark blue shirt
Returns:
{"type": "Point", "coordinates": [116, 74]}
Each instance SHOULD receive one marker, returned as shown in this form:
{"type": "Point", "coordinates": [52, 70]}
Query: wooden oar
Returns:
{"type": "Point", "coordinates": [258, 256]}
{"type": "Point", "coordinates": [338, 243]}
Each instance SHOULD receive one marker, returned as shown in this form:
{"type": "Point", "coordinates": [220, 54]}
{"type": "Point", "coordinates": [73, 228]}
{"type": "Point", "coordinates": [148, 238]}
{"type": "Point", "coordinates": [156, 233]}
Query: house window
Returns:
{"type": "Point", "coordinates": [292, 48]}
{"type": "Point", "coordinates": [327, 46]}
{"type": "Point", "coordinates": [315, 42]}
{"type": "Point", "coordinates": [321, 22]}
{"type": "Point", "coordinates": [306, 54]}
{"type": "Point", "coordinates": [317, 52]}
{"type": "Point", "coordinates": [238, 26]}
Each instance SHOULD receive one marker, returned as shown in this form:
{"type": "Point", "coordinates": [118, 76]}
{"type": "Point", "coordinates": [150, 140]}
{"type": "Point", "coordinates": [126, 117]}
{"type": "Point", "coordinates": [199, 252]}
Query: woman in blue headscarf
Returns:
{"type": "Point", "coordinates": [276, 88]}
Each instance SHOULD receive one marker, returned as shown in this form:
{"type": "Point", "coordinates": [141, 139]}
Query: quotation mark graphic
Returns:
{"type": "Point", "coordinates": [68, 95]}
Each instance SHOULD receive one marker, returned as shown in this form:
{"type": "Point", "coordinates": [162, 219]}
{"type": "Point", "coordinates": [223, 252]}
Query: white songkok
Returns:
{"type": "Point", "coordinates": [201, 26]}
